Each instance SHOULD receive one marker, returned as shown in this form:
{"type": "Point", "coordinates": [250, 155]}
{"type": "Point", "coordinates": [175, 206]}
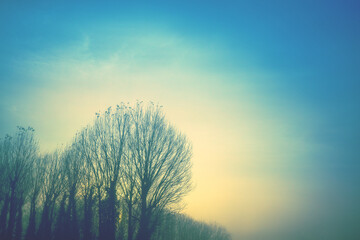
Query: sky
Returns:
{"type": "Point", "coordinates": [268, 93]}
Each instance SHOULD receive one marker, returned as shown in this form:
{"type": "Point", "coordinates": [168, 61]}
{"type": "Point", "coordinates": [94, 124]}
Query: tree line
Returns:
{"type": "Point", "coordinates": [122, 177]}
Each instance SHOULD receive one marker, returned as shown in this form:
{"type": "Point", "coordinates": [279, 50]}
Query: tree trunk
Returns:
{"type": "Point", "coordinates": [44, 231]}
{"type": "Point", "coordinates": [31, 230]}
{"type": "Point", "coordinates": [88, 216]}
{"type": "Point", "coordinates": [18, 223]}
{"type": "Point", "coordinates": [3, 217]}
{"type": "Point", "coordinates": [12, 214]}
{"type": "Point", "coordinates": [144, 233]}
{"type": "Point", "coordinates": [72, 216]}
{"type": "Point", "coordinates": [130, 221]}
{"type": "Point", "coordinates": [60, 231]}
{"type": "Point", "coordinates": [111, 212]}
{"type": "Point", "coordinates": [101, 225]}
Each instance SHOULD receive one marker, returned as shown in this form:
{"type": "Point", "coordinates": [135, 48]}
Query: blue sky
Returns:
{"type": "Point", "coordinates": [271, 87]}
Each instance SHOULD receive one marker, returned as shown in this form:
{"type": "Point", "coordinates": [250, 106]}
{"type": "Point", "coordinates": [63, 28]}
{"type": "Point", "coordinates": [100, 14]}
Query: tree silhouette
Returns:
{"type": "Point", "coordinates": [122, 177]}
{"type": "Point", "coordinates": [161, 159]}
{"type": "Point", "coordinates": [18, 155]}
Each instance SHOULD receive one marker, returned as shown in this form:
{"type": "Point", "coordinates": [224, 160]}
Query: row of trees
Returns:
{"type": "Point", "coordinates": [122, 177]}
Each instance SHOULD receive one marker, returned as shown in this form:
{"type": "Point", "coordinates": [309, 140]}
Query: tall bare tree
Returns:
{"type": "Point", "coordinates": [90, 180]}
{"type": "Point", "coordinates": [103, 145]}
{"type": "Point", "coordinates": [161, 158]}
{"type": "Point", "coordinates": [51, 190]}
{"type": "Point", "coordinates": [130, 196]}
{"type": "Point", "coordinates": [18, 156]}
{"type": "Point", "coordinates": [130, 165]}
{"type": "Point", "coordinates": [36, 183]}
{"type": "Point", "coordinates": [67, 224]}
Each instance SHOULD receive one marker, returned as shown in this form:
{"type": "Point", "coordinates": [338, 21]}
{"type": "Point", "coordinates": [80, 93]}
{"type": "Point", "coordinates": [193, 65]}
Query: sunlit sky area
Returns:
{"type": "Point", "coordinates": [268, 93]}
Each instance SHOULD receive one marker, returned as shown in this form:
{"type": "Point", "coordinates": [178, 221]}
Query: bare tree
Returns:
{"type": "Point", "coordinates": [130, 196]}
{"type": "Point", "coordinates": [87, 144]}
{"type": "Point", "coordinates": [161, 158]}
{"type": "Point", "coordinates": [103, 146]}
{"type": "Point", "coordinates": [67, 219]}
{"type": "Point", "coordinates": [88, 182]}
{"type": "Point", "coordinates": [51, 190]}
{"type": "Point", "coordinates": [130, 165]}
{"type": "Point", "coordinates": [18, 156]}
{"type": "Point", "coordinates": [136, 151]}
{"type": "Point", "coordinates": [5, 155]}
{"type": "Point", "coordinates": [177, 226]}
{"type": "Point", "coordinates": [36, 183]}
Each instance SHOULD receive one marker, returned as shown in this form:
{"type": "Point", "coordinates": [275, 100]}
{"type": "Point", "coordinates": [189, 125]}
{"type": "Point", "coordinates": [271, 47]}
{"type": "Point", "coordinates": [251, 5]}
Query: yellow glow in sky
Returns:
{"type": "Point", "coordinates": [243, 141]}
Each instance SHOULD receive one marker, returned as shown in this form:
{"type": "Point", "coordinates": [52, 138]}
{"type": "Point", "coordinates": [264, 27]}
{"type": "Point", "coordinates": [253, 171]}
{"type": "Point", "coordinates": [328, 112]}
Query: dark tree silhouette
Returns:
{"type": "Point", "coordinates": [36, 182]}
{"type": "Point", "coordinates": [161, 159]}
{"type": "Point", "coordinates": [52, 189]}
{"type": "Point", "coordinates": [130, 199]}
{"type": "Point", "coordinates": [103, 145]}
{"type": "Point", "coordinates": [18, 155]}
{"type": "Point", "coordinates": [122, 177]}
{"type": "Point", "coordinates": [71, 170]}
